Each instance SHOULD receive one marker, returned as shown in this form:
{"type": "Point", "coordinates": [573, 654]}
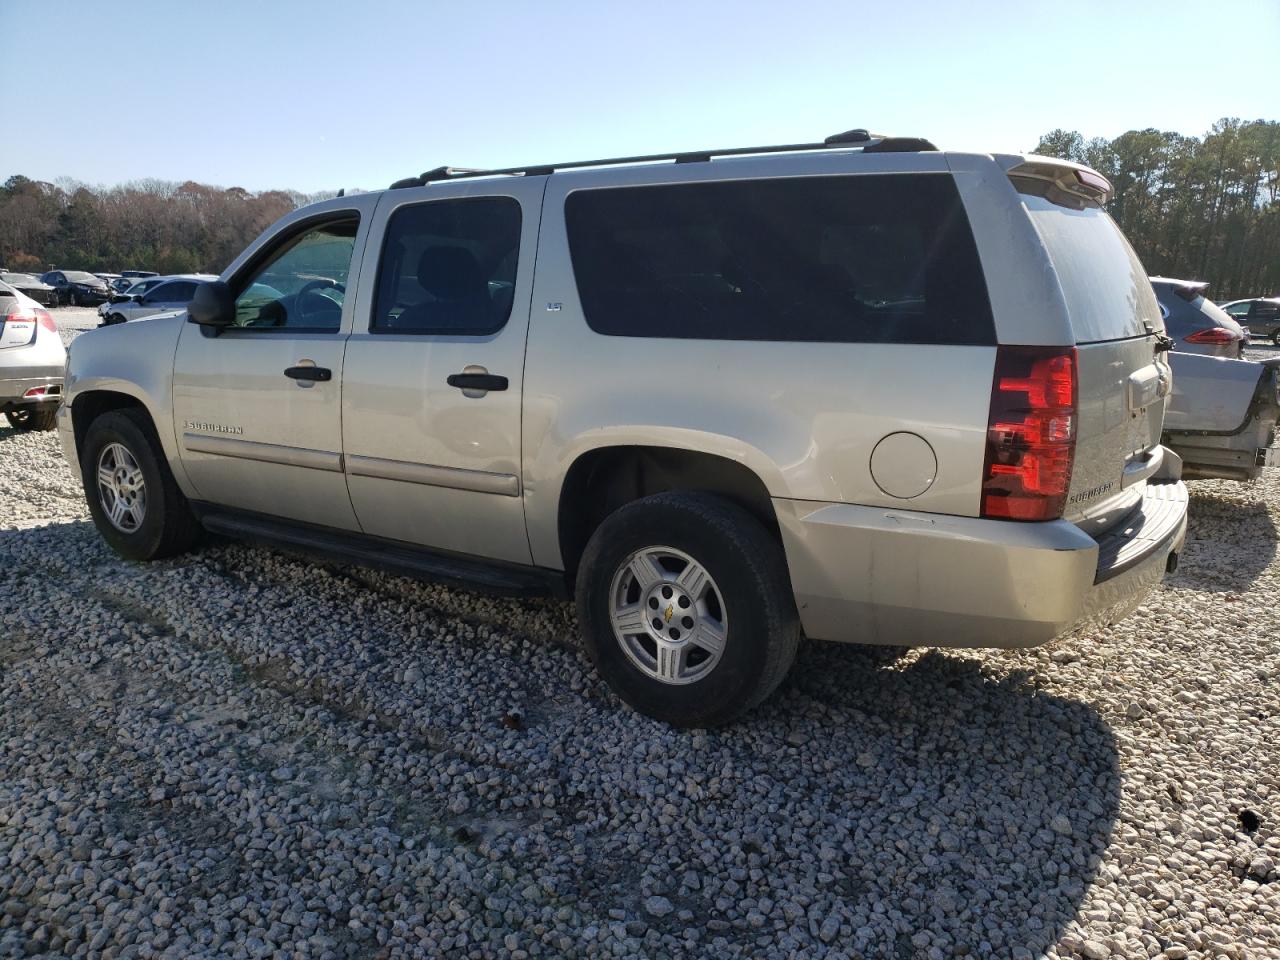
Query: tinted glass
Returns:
{"type": "Point", "coordinates": [79, 276]}
{"type": "Point", "coordinates": [873, 259]}
{"type": "Point", "coordinates": [303, 282]}
{"type": "Point", "coordinates": [449, 267]}
{"type": "Point", "coordinates": [1265, 310]}
{"type": "Point", "coordinates": [158, 294]}
{"type": "Point", "coordinates": [180, 291]}
{"type": "Point", "coordinates": [1106, 289]}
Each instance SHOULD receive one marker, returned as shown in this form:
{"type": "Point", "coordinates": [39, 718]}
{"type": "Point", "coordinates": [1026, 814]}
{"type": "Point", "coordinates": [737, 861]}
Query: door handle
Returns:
{"type": "Point", "coordinates": [477, 381]}
{"type": "Point", "coordinates": [320, 374]}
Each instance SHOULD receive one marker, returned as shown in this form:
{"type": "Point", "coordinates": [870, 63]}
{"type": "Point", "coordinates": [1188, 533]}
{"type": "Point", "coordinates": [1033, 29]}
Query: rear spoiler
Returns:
{"type": "Point", "coordinates": [1188, 290]}
{"type": "Point", "coordinates": [1060, 181]}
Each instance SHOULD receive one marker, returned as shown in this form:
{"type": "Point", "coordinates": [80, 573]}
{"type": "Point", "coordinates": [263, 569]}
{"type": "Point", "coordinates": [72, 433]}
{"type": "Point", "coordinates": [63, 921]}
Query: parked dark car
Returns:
{"type": "Point", "coordinates": [33, 287]}
{"type": "Point", "coordinates": [1261, 315]}
{"type": "Point", "coordinates": [1197, 324]}
{"type": "Point", "coordinates": [77, 287]}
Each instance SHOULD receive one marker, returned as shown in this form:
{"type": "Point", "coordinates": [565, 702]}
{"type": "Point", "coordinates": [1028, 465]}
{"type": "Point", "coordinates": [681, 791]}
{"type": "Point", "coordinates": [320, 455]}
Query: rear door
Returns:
{"type": "Point", "coordinates": [1123, 382]}
{"type": "Point", "coordinates": [434, 371]}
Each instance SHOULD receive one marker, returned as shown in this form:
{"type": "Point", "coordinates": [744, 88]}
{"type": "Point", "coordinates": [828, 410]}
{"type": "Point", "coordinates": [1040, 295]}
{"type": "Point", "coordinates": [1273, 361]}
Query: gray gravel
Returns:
{"type": "Point", "coordinates": [243, 754]}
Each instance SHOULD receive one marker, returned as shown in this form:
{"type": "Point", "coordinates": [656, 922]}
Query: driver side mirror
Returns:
{"type": "Point", "coordinates": [212, 307]}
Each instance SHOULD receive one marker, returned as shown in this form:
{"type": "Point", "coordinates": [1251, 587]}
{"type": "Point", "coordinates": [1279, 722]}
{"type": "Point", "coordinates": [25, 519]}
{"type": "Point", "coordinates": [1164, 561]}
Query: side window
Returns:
{"type": "Point", "coordinates": [853, 259]}
{"type": "Point", "coordinates": [1238, 310]}
{"type": "Point", "coordinates": [1265, 310]}
{"type": "Point", "coordinates": [302, 282]}
{"type": "Point", "coordinates": [159, 294]}
{"type": "Point", "coordinates": [448, 267]}
{"type": "Point", "coordinates": [180, 292]}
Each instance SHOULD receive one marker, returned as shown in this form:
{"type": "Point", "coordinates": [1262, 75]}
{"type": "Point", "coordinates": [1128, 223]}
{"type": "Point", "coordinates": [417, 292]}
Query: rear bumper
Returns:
{"type": "Point", "coordinates": [871, 575]}
{"type": "Point", "coordinates": [12, 391]}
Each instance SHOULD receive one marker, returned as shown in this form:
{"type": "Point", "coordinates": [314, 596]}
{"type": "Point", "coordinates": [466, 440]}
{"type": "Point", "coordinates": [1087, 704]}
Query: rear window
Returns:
{"type": "Point", "coordinates": [852, 259]}
{"type": "Point", "coordinates": [1106, 289]}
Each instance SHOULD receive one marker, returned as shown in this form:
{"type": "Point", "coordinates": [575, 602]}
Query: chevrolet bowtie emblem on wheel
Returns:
{"type": "Point", "coordinates": [670, 610]}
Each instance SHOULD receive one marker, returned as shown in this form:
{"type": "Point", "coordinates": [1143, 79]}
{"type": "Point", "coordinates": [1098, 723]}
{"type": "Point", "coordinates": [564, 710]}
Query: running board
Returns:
{"type": "Point", "coordinates": [404, 559]}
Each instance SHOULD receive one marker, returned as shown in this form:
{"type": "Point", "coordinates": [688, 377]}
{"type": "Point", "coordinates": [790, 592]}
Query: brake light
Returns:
{"type": "Point", "coordinates": [1097, 181]}
{"type": "Point", "coordinates": [1031, 433]}
{"type": "Point", "coordinates": [1219, 336]}
{"type": "Point", "coordinates": [20, 313]}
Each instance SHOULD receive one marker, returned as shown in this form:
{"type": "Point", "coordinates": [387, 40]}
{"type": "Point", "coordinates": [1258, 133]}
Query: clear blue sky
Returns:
{"type": "Point", "coordinates": [319, 94]}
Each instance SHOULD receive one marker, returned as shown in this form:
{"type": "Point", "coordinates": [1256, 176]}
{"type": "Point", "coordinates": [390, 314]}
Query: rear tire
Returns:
{"type": "Point", "coordinates": [1275, 338]}
{"type": "Point", "coordinates": [126, 477]}
{"type": "Point", "coordinates": [32, 418]}
{"type": "Point", "coordinates": [726, 624]}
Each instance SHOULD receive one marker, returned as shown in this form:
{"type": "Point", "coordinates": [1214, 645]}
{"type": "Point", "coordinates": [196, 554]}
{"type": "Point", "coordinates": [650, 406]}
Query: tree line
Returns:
{"type": "Point", "coordinates": [1194, 208]}
{"type": "Point", "coordinates": [145, 225]}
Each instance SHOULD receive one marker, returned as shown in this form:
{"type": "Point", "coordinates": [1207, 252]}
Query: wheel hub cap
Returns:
{"type": "Point", "coordinates": [122, 491]}
{"type": "Point", "coordinates": [668, 615]}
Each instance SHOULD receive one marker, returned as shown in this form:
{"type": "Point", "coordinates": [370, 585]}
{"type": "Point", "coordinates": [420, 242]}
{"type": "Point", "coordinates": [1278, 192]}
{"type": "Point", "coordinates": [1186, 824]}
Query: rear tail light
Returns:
{"type": "Point", "coordinates": [1218, 336]}
{"type": "Point", "coordinates": [46, 321]}
{"type": "Point", "coordinates": [1031, 433]}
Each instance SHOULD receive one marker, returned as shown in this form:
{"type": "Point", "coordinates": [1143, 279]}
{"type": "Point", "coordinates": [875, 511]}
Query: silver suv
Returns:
{"type": "Point", "coordinates": [861, 389]}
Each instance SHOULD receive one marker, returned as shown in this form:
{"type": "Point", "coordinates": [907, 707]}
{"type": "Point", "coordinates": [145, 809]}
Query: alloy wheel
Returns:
{"type": "Point", "coordinates": [668, 615]}
{"type": "Point", "coordinates": [122, 489]}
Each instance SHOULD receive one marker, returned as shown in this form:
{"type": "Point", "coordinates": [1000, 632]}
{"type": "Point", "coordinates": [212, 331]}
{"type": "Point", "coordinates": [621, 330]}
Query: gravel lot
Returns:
{"type": "Point", "coordinates": [242, 754]}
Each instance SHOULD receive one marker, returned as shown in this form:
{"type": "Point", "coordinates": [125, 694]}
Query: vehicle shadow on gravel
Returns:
{"type": "Point", "coordinates": [1231, 538]}
{"type": "Point", "coordinates": [979, 808]}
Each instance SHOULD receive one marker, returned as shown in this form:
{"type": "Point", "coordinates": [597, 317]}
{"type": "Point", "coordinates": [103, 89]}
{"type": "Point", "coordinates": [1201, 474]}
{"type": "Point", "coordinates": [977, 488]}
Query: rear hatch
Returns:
{"type": "Point", "coordinates": [1123, 381]}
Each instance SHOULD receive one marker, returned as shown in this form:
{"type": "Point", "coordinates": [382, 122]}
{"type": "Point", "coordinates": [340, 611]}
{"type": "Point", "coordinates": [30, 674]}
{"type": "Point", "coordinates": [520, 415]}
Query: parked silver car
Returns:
{"type": "Point", "coordinates": [31, 362]}
{"type": "Point", "coordinates": [862, 389]}
{"type": "Point", "coordinates": [1196, 323]}
{"type": "Point", "coordinates": [152, 296]}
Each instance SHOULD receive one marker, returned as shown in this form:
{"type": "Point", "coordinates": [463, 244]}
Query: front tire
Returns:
{"type": "Point", "coordinates": [115, 318]}
{"type": "Point", "coordinates": [32, 418]}
{"type": "Point", "coordinates": [686, 608]}
{"type": "Point", "coordinates": [1275, 337]}
{"type": "Point", "coordinates": [135, 502]}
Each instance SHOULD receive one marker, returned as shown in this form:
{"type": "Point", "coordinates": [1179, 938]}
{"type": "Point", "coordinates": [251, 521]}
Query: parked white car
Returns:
{"type": "Point", "coordinates": [32, 359]}
{"type": "Point", "coordinates": [151, 296]}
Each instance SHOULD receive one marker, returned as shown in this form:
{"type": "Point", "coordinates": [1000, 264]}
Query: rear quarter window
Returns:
{"type": "Point", "coordinates": [852, 259]}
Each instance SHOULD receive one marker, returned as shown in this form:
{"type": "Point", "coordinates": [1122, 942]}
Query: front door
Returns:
{"type": "Point", "coordinates": [256, 409]}
{"type": "Point", "coordinates": [435, 367]}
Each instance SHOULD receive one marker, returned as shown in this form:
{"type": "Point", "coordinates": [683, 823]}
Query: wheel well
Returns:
{"type": "Point", "coordinates": [601, 481]}
{"type": "Point", "coordinates": [87, 407]}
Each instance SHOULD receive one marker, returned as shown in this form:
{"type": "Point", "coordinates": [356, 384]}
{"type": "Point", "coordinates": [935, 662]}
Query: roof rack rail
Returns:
{"type": "Point", "coordinates": [870, 142]}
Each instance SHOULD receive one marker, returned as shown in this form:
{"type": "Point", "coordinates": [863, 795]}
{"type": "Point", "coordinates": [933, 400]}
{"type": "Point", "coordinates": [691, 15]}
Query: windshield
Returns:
{"type": "Point", "coordinates": [27, 278]}
{"type": "Point", "coordinates": [79, 276]}
{"type": "Point", "coordinates": [1106, 289]}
